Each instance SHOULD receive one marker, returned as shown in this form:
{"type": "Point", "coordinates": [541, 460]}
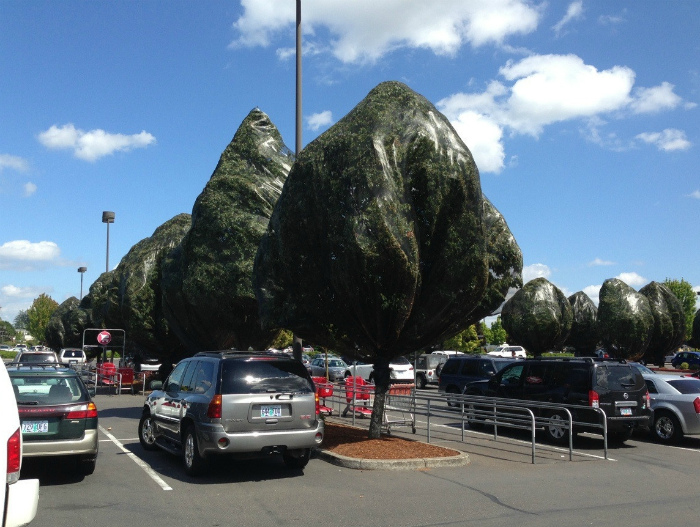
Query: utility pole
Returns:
{"type": "Point", "coordinates": [297, 344]}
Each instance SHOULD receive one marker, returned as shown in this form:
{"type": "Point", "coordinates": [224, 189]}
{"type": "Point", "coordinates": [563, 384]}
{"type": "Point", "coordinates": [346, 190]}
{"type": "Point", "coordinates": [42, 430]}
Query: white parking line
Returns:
{"type": "Point", "coordinates": [146, 468]}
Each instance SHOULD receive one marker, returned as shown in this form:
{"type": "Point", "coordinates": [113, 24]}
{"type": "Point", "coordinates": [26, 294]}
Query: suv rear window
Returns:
{"type": "Point", "coordinates": [259, 376]}
{"type": "Point", "coordinates": [618, 377]}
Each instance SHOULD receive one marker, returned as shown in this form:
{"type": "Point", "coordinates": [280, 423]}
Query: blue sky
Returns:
{"type": "Point", "coordinates": [582, 117]}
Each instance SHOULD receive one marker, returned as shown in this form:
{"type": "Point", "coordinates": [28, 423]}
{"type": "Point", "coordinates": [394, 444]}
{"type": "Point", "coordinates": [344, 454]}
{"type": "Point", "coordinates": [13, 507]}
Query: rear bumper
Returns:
{"type": "Point", "coordinates": [84, 445]}
{"type": "Point", "coordinates": [22, 501]}
{"type": "Point", "coordinates": [209, 440]}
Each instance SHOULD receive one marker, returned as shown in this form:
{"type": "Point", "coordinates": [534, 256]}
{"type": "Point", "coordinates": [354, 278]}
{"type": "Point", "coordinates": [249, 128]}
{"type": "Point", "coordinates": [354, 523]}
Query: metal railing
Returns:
{"type": "Point", "coordinates": [474, 409]}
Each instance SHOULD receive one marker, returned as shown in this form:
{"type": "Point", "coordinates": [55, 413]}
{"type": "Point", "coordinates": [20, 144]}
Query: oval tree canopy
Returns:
{"type": "Point", "coordinates": [625, 320]}
{"type": "Point", "coordinates": [537, 317]}
{"type": "Point", "coordinates": [584, 329]}
{"type": "Point", "coordinates": [669, 322]}
{"type": "Point", "coordinates": [377, 246]}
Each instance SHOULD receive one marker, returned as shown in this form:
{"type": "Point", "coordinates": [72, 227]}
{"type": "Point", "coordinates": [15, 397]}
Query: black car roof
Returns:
{"type": "Point", "coordinates": [39, 368]}
{"type": "Point", "coordinates": [236, 354]}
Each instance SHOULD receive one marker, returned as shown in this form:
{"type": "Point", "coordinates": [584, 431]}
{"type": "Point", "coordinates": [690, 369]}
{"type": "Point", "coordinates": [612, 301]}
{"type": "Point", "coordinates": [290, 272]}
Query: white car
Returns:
{"type": "Point", "coordinates": [72, 356]}
{"type": "Point", "coordinates": [401, 371]}
{"type": "Point", "coordinates": [20, 497]}
{"type": "Point", "coordinates": [517, 352]}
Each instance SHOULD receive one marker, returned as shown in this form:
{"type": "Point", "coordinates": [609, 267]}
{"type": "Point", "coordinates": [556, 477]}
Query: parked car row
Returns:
{"type": "Point", "coordinates": [338, 369]}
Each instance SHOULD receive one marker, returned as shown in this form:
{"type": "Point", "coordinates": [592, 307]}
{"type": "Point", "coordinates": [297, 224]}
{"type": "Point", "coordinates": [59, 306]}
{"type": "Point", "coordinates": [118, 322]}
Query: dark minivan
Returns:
{"type": "Point", "coordinates": [461, 370]}
{"type": "Point", "coordinates": [615, 386]}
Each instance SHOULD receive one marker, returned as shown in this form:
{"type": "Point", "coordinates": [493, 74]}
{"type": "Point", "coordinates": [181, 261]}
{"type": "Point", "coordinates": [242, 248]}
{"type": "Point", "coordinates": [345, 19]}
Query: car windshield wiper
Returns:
{"type": "Point", "coordinates": [29, 403]}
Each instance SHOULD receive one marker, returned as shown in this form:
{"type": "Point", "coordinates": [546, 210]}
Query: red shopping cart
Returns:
{"type": "Point", "coordinates": [358, 394]}
{"type": "Point", "coordinates": [323, 389]}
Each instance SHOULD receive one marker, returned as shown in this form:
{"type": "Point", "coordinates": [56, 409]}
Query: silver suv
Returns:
{"type": "Point", "coordinates": [231, 402]}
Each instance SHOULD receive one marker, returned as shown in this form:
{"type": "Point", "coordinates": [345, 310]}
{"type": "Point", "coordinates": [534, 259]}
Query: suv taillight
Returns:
{"type": "Point", "coordinates": [696, 405]}
{"type": "Point", "coordinates": [14, 456]}
{"type": "Point", "coordinates": [214, 409]}
{"type": "Point", "coordinates": [318, 405]}
{"type": "Point", "coordinates": [593, 399]}
{"type": "Point", "coordinates": [647, 398]}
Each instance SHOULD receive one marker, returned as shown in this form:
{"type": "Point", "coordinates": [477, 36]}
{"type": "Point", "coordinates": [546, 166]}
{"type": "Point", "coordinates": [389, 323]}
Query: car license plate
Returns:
{"type": "Point", "coordinates": [35, 427]}
{"type": "Point", "coordinates": [625, 411]}
{"type": "Point", "coordinates": [271, 411]}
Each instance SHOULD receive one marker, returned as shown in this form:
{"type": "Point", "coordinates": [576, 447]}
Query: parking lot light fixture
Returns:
{"type": "Point", "coordinates": [107, 217]}
{"type": "Point", "coordinates": [81, 270]}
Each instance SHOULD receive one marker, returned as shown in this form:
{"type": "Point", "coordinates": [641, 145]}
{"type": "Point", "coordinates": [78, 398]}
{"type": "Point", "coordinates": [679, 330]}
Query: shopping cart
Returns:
{"type": "Point", "coordinates": [400, 407]}
{"type": "Point", "coordinates": [323, 389]}
{"type": "Point", "coordinates": [358, 394]}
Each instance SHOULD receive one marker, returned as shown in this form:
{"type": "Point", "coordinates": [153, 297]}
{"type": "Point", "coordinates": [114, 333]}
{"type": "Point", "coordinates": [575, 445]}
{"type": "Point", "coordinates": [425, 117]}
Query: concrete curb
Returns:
{"type": "Point", "coordinates": [458, 460]}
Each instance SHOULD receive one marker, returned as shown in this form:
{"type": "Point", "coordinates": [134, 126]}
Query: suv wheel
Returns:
{"type": "Point", "coordinates": [297, 459]}
{"type": "Point", "coordinates": [618, 438]}
{"type": "Point", "coordinates": [420, 382]}
{"type": "Point", "coordinates": [451, 399]}
{"type": "Point", "coordinates": [194, 463]}
{"type": "Point", "coordinates": [86, 465]}
{"type": "Point", "coordinates": [556, 429]}
{"type": "Point", "coordinates": [146, 436]}
{"type": "Point", "coordinates": [666, 428]}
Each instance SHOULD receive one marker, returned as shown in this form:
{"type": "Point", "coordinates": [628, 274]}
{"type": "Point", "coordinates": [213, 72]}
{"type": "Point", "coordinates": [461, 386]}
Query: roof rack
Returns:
{"type": "Point", "coordinates": [234, 352]}
{"type": "Point", "coordinates": [39, 365]}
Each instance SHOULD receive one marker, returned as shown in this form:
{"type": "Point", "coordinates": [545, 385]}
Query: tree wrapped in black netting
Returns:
{"type": "Point", "coordinates": [669, 322]}
{"type": "Point", "coordinates": [207, 290]}
{"type": "Point", "coordinates": [537, 317]}
{"type": "Point", "coordinates": [583, 336]}
{"type": "Point", "coordinates": [625, 320]}
{"type": "Point", "coordinates": [377, 246]}
{"type": "Point", "coordinates": [695, 336]}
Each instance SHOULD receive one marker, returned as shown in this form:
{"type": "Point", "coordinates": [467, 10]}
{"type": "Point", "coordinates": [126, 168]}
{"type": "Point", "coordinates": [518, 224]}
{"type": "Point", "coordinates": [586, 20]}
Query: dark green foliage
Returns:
{"type": "Point", "coordinates": [57, 334]}
{"type": "Point", "coordinates": [669, 322]}
{"type": "Point", "coordinates": [130, 296]}
{"type": "Point", "coordinates": [377, 244]}
{"type": "Point", "coordinates": [695, 339]}
{"type": "Point", "coordinates": [538, 317]}
{"type": "Point", "coordinates": [584, 329]}
{"type": "Point", "coordinates": [505, 263]}
{"type": "Point", "coordinates": [208, 295]}
{"type": "Point", "coordinates": [625, 320]}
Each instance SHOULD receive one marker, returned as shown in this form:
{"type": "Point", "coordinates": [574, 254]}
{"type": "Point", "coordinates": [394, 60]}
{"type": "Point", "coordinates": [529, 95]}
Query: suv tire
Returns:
{"type": "Point", "coordinates": [666, 427]}
{"type": "Point", "coordinates": [297, 459]}
{"type": "Point", "coordinates": [421, 382]}
{"type": "Point", "coordinates": [556, 429]}
{"type": "Point", "coordinates": [146, 437]}
{"type": "Point", "coordinates": [194, 462]}
{"type": "Point", "coordinates": [86, 465]}
{"type": "Point", "coordinates": [451, 400]}
{"type": "Point", "coordinates": [618, 438]}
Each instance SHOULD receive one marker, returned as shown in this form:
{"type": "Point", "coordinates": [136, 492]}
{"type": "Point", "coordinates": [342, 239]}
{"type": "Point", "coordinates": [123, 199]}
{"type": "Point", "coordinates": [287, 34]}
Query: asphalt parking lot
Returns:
{"type": "Point", "coordinates": [642, 483]}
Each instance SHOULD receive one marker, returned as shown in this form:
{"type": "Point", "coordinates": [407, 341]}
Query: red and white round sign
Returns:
{"type": "Point", "coordinates": [104, 338]}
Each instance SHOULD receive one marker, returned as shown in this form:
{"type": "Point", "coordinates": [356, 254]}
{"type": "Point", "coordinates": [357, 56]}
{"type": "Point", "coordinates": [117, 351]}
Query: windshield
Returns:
{"type": "Point", "coordinates": [336, 364]}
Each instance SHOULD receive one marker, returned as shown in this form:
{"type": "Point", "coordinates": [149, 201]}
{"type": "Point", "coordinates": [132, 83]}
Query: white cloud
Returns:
{"type": "Point", "coordinates": [23, 254]}
{"type": "Point", "coordinates": [573, 12]}
{"type": "Point", "coordinates": [13, 162]}
{"type": "Point", "coordinates": [365, 30]}
{"type": "Point", "coordinates": [29, 189]}
{"type": "Point", "coordinates": [669, 140]}
{"type": "Point", "coordinates": [632, 279]}
{"type": "Point", "coordinates": [538, 270]}
{"type": "Point", "coordinates": [94, 144]}
{"type": "Point", "coordinates": [483, 137]}
{"type": "Point", "coordinates": [695, 194]}
{"type": "Point", "coordinates": [319, 120]}
{"type": "Point", "coordinates": [600, 262]}
{"type": "Point", "coordinates": [656, 99]}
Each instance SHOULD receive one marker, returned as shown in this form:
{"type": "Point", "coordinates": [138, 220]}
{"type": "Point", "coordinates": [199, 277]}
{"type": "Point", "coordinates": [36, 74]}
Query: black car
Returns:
{"type": "Point", "coordinates": [461, 370]}
{"type": "Point", "coordinates": [615, 386]}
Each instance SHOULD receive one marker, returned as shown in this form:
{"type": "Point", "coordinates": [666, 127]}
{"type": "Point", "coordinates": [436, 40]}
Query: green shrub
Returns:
{"type": "Point", "coordinates": [685, 366]}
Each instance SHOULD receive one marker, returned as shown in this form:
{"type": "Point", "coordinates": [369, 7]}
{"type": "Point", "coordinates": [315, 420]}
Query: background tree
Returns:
{"type": "Point", "coordinates": [39, 315]}
{"type": "Point", "coordinates": [584, 329]}
{"type": "Point", "coordinates": [625, 320]}
{"type": "Point", "coordinates": [684, 292]}
{"type": "Point", "coordinates": [486, 332]}
{"type": "Point", "coordinates": [538, 317]}
{"type": "Point", "coordinates": [498, 332]}
{"type": "Point", "coordinates": [7, 332]}
{"type": "Point", "coordinates": [466, 341]}
{"type": "Point", "coordinates": [669, 322]}
{"type": "Point", "coordinates": [21, 320]}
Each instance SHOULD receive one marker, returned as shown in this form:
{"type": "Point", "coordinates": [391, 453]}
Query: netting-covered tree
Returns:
{"type": "Point", "coordinates": [207, 290]}
{"type": "Point", "coordinates": [625, 320]}
{"type": "Point", "coordinates": [537, 317]}
{"type": "Point", "coordinates": [695, 336]}
{"type": "Point", "coordinates": [669, 322]}
{"type": "Point", "coordinates": [584, 328]}
{"type": "Point", "coordinates": [377, 245]}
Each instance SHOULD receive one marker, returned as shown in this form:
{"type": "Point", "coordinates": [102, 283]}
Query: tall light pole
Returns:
{"type": "Point", "coordinates": [81, 270]}
{"type": "Point", "coordinates": [296, 343]}
{"type": "Point", "coordinates": [107, 217]}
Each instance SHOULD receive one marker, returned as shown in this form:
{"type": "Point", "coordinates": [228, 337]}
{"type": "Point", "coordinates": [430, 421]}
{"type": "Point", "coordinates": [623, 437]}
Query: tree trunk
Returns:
{"type": "Point", "coordinates": [381, 387]}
